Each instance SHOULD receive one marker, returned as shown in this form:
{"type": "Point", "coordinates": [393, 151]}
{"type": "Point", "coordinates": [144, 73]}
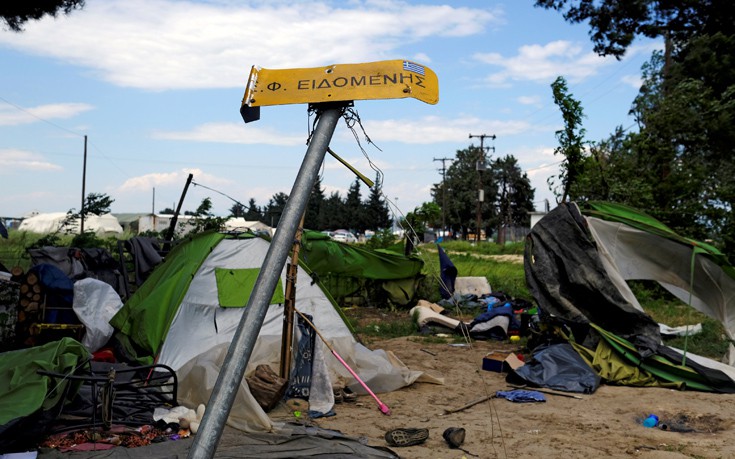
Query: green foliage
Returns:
{"type": "Point", "coordinates": [507, 193]}
{"type": "Point", "coordinates": [16, 14]}
{"type": "Point", "coordinates": [571, 141]}
{"type": "Point", "coordinates": [667, 309]}
{"type": "Point", "coordinates": [678, 166]}
{"type": "Point", "coordinates": [204, 218]}
{"type": "Point", "coordinates": [382, 239]}
{"type": "Point", "coordinates": [614, 25]}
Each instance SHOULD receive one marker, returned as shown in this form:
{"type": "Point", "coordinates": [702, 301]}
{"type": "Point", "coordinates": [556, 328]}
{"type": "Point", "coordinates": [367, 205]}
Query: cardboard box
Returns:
{"type": "Point", "coordinates": [500, 362]}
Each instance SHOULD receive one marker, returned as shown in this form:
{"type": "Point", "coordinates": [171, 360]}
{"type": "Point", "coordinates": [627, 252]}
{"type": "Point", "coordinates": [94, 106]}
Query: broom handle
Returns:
{"type": "Point", "coordinates": [382, 406]}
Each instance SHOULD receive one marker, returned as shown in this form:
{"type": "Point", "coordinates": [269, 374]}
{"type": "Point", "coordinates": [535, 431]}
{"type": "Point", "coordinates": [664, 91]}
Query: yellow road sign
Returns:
{"type": "Point", "coordinates": [395, 79]}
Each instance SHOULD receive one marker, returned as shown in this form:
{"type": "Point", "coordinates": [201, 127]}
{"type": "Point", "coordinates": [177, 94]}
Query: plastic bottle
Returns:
{"type": "Point", "coordinates": [650, 421]}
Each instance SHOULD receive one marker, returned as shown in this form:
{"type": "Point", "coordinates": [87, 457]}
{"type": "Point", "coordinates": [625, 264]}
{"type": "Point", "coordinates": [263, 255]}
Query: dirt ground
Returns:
{"type": "Point", "coordinates": [604, 424]}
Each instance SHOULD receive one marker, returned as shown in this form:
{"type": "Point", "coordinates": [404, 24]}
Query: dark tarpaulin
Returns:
{"type": "Point", "coordinates": [448, 274]}
{"type": "Point", "coordinates": [566, 276]}
{"type": "Point", "coordinates": [558, 366]}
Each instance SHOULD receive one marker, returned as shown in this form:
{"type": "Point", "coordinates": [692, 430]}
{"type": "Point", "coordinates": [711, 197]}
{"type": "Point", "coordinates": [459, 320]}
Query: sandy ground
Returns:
{"type": "Point", "coordinates": [604, 424]}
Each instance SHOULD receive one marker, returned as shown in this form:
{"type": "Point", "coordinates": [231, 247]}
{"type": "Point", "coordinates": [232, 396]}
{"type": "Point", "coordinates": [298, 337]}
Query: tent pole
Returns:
{"type": "Point", "coordinates": [243, 341]}
{"type": "Point", "coordinates": [290, 304]}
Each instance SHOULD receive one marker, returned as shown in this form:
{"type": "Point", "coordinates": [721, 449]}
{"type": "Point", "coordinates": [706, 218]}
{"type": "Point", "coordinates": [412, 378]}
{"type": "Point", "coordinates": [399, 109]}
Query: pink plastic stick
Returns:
{"type": "Point", "coordinates": [383, 407]}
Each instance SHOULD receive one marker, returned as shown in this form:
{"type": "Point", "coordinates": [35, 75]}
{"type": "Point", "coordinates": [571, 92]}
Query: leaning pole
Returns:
{"type": "Point", "coordinates": [329, 91]}
{"type": "Point", "coordinates": [243, 342]}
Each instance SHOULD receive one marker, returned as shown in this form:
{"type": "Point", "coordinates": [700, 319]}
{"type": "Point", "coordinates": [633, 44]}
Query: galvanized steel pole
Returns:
{"type": "Point", "coordinates": [243, 342]}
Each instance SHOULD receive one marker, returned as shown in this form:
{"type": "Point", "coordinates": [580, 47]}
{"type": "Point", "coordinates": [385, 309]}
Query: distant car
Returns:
{"type": "Point", "coordinates": [343, 236]}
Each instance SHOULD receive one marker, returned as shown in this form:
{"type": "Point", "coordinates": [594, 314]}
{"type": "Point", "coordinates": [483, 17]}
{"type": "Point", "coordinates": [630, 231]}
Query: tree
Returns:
{"type": "Point", "coordinates": [615, 24]}
{"type": "Point", "coordinates": [462, 192]}
{"type": "Point", "coordinates": [96, 204]}
{"type": "Point", "coordinates": [679, 166]}
{"type": "Point", "coordinates": [253, 213]}
{"type": "Point", "coordinates": [16, 14]}
{"type": "Point", "coordinates": [314, 218]}
{"type": "Point", "coordinates": [274, 208]}
{"type": "Point", "coordinates": [334, 212]}
{"type": "Point", "coordinates": [238, 210]}
{"type": "Point", "coordinates": [354, 208]}
{"type": "Point", "coordinates": [204, 219]}
{"type": "Point", "coordinates": [571, 140]}
{"type": "Point", "coordinates": [515, 195]}
{"type": "Point", "coordinates": [376, 210]}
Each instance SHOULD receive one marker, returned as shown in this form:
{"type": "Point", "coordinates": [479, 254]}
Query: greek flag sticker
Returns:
{"type": "Point", "coordinates": [415, 68]}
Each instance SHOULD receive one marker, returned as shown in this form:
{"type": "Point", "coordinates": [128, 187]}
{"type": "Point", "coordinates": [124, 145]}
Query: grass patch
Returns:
{"type": "Point", "coordinates": [665, 308]}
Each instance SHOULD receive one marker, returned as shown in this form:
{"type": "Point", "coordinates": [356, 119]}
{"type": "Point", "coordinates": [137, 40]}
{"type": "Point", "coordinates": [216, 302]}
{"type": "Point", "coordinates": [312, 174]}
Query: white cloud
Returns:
{"type": "Point", "coordinates": [529, 100]}
{"type": "Point", "coordinates": [634, 81]}
{"type": "Point", "coordinates": [543, 63]}
{"type": "Point", "coordinates": [13, 161]}
{"type": "Point", "coordinates": [232, 133]}
{"type": "Point", "coordinates": [145, 182]}
{"type": "Point", "coordinates": [16, 116]}
{"type": "Point", "coordinates": [166, 44]}
{"type": "Point", "coordinates": [432, 129]}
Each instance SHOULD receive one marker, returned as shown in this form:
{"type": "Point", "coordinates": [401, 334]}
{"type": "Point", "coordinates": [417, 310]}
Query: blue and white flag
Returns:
{"type": "Point", "coordinates": [415, 68]}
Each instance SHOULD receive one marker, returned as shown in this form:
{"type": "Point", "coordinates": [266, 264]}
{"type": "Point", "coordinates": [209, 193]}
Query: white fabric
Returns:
{"type": "Point", "coordinates": [95, 302]}
{"type": "Point", "coordinates": [683, 330]}
{"type": "Point", "coordinates": [51, 222]}
{"type": "Point", "coordinates": [201, 332]}
{"type": "Point", "coordinates": [639, 255]}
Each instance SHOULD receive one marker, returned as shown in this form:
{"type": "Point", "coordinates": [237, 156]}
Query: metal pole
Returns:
{"type": "Point", "coordinates": [84, 182]}
{"type": "Point", "coordinates": [243, 342]}
{"type": "Point", "coordinates": [172, 225]}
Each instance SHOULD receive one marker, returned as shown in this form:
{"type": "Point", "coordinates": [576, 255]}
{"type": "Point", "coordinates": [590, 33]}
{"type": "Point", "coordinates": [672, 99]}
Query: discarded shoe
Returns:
{"type": "Point", "coordinates": [338, 395]}
{"type": "Point", "coordinates": [454, 436]}
{"type": "Point", "coordinates": [349, 396]}
{"type": "Point", "coordinates": [406, 437]}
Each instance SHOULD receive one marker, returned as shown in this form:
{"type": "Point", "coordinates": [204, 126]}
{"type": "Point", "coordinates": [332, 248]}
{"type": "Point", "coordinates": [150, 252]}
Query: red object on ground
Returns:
{"type": "Point", "coordinates": [104, 355]}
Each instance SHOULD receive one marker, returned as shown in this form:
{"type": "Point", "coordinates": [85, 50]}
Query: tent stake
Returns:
{"type": "Point", "coordinates": [243, 341]}
{"type": "Point", "coordinates": [382, 406]}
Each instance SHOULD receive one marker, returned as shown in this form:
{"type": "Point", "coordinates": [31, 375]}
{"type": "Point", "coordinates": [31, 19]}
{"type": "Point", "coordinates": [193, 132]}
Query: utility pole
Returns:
{"type": "Point", "coordinates": [480, 166]}
{"type": "Point", "coordinates": [443, 170]}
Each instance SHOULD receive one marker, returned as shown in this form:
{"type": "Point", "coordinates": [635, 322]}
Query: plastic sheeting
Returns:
{"type": "Point", "coordinates": [95, 303]}
{"type": "Point", "coordinates": [559, 367]}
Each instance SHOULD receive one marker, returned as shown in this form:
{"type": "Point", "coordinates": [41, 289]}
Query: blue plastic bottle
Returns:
{"type": "Point", "coordinates": [650, 421]}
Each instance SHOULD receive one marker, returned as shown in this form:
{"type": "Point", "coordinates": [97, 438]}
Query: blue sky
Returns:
{"type": "Point", "coordinates": [156, 85]}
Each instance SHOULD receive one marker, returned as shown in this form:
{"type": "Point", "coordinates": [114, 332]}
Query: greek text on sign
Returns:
{"type": "Point", "coordinates": [396, 79]}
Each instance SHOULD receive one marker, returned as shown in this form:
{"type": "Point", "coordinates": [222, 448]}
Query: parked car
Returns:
{"type": "Point", "coordinates": [343, 236]}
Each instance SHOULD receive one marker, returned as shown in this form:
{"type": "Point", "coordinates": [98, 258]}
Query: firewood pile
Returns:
{"type": "Point", "coordinates": [32, 327]}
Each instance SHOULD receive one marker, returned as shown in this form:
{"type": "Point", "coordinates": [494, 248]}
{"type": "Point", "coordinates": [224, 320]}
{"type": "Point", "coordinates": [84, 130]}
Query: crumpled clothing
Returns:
{"type": "Point", "coordinates": [521, 395]}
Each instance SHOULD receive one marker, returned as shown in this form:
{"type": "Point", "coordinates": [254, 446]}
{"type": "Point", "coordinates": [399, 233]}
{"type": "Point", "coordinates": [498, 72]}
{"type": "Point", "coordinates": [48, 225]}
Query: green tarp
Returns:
{"type": "Point", "coordinates": [23, 391]}
{"type": "Point", "coordinates": [346, 269]}
{"type": "Point", "coordinates": [234, 287]}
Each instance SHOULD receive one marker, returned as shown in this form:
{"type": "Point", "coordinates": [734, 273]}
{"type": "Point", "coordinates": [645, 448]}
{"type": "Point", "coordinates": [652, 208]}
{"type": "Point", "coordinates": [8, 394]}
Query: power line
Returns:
{"type": "Point", "coordinates": [39, 118]}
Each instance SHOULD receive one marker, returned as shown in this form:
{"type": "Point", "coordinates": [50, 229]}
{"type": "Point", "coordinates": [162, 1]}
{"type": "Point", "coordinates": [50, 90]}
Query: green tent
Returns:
{"type": "Point", "coordinates": [186, 314]}
{"type": "Point", "coordinates": [348, 271]}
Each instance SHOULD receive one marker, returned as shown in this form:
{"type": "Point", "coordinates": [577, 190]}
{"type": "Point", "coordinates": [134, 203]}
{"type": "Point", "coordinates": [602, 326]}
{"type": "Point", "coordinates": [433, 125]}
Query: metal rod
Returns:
{"type": "Point", "coordinates": [84, 184]}
{"type": "Point", "coordinates": [243, 342]}
{"type": "Point", "coordinates": [172, 225]}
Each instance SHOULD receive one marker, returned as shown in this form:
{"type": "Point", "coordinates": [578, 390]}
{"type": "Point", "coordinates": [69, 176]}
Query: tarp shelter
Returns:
{"type": "Point", "coordinates": [351, 270]}
{"type": "Point", "coordinates": [577, 265]}
{"type": "Point", "coordinates": [102, 225]}
{"type": "Point", "coordinates": [240, 224]}
{"type": "Point", "coordinates": [187, 311]}
{"type": "Point", "coordinates": [29, 401]}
